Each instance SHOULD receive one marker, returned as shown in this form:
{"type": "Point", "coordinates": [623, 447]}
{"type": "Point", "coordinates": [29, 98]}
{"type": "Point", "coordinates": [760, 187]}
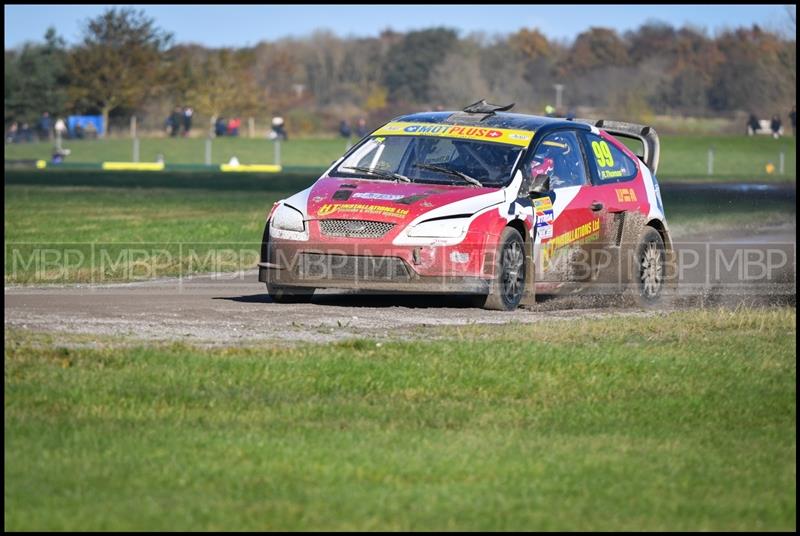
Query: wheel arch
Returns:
{"type": "Point", "coordinates": [659, 226]}
{"type": "Point", "coordinates": [519, 226]}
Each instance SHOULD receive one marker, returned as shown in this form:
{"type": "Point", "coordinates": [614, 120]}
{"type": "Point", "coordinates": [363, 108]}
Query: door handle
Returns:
{"type": "Point", "coordinates": [596, 205]}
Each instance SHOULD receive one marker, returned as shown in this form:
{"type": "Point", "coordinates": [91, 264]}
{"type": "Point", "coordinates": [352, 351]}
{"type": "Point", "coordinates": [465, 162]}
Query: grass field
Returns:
{"type": "Point", "coordinates": [98, 228]}
{"type": "Point", "coordinates": [520, 427]}
{"type": "Point", "coordinates": [682, 157]}
{"type": "Point", "coordinates": [115, 234]}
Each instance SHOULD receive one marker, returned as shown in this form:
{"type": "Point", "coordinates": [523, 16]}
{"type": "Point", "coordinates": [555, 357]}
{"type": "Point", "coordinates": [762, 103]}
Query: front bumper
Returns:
{"type": "Point", "coordinates": [323, 269]}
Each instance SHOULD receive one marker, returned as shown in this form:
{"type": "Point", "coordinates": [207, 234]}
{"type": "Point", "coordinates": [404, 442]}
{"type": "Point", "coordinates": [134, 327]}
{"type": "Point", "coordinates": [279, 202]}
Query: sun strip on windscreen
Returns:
{"type": "Point", "coordinates": [465, 132]}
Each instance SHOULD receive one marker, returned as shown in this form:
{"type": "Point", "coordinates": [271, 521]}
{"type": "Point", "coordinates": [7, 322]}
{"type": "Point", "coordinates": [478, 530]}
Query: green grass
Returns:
{"type": "Point", "coordinates": [682, 157]}
{"type": "Point", "coordinates": [735, 157]}
{"type": "Point", "coordinates": [59, 234]}
{"type": "Point", "coordinates": [112, 234]}
{"type": "Point", "coordinates": [308, 152]}
{"type": "Point", "coordinates": [521, 427]}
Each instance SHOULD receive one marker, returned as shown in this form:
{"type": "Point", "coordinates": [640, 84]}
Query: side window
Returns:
{"type": "Point", "coordinates": [612, 164]}
{"type": "Point", "coordinates": [558, 155]}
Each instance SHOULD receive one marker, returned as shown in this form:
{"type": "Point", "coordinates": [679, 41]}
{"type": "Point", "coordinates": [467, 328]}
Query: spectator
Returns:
{"type": "Point", "coordinates": [220, 126]}
{"type": "Point", "coordinates": [344, 129]}
{"type": "Point", "coordinates": [61, 127]}
{"type": "Point", "coordinates": [187, 120]}
{"type": "Point", "coordinates": [278, 129]}
{"type": "Point", "coordinates": [793, 120]}
{"type": "Point", "coordinates": [78, 131]}
{"type": "Point", "coordinates": [13, 132]}
{"type": "Point", "coordinates": [61, 131]}
{"type": "Point", "coordinates": [26, 132]}
{"type": "Point", "coordinates": [361, 127]}
{"type": "Point", "coordinates": [91, 130]}
{"type": "Point", "coordinates": [753, 124]}
{"type": "Point", "coordinates": [233, 126]}
{"type": "Point", "coordinates": [44, 126]}
{"type": "Point", "coordinates": [175, 121]}
{"type": "Point", "coordinates": [775, 126]}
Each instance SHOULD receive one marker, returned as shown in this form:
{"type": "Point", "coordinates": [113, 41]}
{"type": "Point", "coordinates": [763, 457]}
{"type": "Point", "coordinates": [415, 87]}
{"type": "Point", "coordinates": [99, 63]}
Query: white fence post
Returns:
{"type": "Point", "coordinates": [710, 160]}
{"type": "Point", "coordinates": [135, 139]}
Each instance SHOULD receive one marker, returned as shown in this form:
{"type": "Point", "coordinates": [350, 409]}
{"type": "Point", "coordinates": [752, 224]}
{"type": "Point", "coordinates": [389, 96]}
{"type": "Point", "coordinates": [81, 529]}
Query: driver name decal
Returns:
{"type": "Point", "coordinates": [500, 135]}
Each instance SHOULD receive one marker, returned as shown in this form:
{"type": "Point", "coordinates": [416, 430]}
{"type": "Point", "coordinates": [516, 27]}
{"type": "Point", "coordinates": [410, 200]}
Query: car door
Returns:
{"type": "Point", "coordinates": [564, 219]}
{"type": "Point", "coordinates": [621, 197]}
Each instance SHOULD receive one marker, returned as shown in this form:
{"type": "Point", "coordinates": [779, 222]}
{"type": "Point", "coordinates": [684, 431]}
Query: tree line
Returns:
{"type": "Point", "coordinates": [126, 65]}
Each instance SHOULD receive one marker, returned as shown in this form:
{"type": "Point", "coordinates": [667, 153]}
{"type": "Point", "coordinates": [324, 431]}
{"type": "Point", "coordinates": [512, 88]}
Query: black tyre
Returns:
{"type": "Point", "coordinates": [508, 286]}
{"type": "Point", "coordinates": [283, 294]}
{"type": "Point", "coordinates": [650, 270]}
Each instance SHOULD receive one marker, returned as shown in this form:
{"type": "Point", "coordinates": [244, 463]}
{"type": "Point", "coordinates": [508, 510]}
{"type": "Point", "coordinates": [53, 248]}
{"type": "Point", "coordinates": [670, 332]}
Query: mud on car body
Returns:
{"type": "Point", "coordinates": [482, 202]}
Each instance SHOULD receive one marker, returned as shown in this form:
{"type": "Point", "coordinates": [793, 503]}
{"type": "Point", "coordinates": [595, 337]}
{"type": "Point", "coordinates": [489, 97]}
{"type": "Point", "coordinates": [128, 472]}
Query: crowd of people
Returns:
{"type": "Point", "coordinates": [43, 130]}
{"type": "Point", "coordinates": [179, 121]}
{"type": "Point", "coordinates": [755, 126]}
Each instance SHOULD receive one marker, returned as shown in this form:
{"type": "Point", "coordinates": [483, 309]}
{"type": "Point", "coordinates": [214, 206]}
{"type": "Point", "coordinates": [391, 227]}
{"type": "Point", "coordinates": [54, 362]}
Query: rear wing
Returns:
{"type": "Point", "coordinates": [646, 135]}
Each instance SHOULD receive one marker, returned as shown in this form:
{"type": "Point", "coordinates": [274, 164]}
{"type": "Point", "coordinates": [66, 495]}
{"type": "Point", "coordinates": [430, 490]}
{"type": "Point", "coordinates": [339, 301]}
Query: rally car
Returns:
{"type": "Point", "coordinates": [482, 202]}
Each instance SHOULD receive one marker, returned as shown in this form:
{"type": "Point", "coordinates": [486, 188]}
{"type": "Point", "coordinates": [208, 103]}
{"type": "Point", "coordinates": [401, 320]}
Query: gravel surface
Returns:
{"type": "Point", "coordinates": [235, 308]}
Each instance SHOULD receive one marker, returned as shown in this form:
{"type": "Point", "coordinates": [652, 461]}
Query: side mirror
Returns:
{"type": "Point", "coordinates": [541, 184]}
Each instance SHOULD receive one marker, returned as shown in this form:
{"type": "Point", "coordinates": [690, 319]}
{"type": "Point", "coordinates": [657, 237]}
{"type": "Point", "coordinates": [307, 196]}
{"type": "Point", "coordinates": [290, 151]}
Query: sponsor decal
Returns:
{"type": "Point", "coordinates": [544, 218]}
{"type": "Point", "coordinates": [361, 208]}
{"type": "Point", "coordinates": [543, 208]}
{"type": "Point", "coordinates": [626, 195]}
{"type": "Point", "coordinates": [540, 204]}
{"type": "Point", "coordinates": [374, 195]}
{"type": "Point", "coordinates": [500, 135]}
{"type": "Point", "coordinates": [584, 233]}
{"type": "Point", "coordinates": [546, 231]}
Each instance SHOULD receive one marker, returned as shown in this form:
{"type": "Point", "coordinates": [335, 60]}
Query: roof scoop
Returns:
{"type": "Point", "coordinates": [483, 107]}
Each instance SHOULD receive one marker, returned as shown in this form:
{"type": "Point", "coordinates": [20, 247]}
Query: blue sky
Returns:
{"type": "Point", "coordinates": [235, 25]}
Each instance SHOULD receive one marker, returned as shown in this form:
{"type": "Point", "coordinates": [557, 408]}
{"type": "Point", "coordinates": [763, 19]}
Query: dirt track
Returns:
{"type": "Point", "coordinates": [231, 308]}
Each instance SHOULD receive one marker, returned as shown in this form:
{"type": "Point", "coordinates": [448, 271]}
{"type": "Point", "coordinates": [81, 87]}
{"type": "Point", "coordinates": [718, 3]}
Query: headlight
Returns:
{"type": "Point", "coordinates": [447, 228]}
{"type": "Point", "coordinates": [288, 219]}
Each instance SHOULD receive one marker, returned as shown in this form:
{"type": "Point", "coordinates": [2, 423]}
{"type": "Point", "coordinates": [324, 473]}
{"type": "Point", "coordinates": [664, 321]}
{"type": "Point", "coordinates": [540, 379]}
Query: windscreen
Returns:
{"type": "Point", "coordinates": [432, 159]}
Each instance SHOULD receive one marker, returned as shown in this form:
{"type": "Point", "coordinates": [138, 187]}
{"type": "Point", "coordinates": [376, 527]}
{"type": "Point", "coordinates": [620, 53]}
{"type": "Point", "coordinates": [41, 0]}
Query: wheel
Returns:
{"type": "Point", "coordinates": [282, 294]}
{"type": "Point", "coordinates": [508, 286]}
{"type": "Point", "coordinates": [651, 265]}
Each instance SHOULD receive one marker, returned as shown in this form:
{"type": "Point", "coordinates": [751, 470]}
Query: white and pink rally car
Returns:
{"type": "Point", "coordinates": [482, 202]}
